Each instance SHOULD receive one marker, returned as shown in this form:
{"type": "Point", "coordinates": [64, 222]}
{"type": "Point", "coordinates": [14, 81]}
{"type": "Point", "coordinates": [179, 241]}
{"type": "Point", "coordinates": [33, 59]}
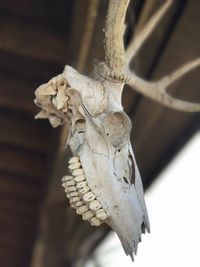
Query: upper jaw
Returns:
{"type": "Point", "coordinates": [81, 196]}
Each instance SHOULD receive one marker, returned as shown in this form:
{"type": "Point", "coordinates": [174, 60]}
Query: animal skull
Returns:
{"type": "Point", "coordinates": [105, 185]}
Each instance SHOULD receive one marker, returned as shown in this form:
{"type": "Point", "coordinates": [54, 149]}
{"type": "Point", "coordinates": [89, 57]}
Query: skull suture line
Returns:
{"type": "Point", "coordinates": [105, 185]}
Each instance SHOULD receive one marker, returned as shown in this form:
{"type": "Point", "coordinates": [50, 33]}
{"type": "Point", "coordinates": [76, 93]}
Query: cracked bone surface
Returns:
{"type": "Point", "coordinates": [105, 184]}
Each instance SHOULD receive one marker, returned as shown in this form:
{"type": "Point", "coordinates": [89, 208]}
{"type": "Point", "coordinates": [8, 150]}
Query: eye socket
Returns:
{"type": "Point", "coordinates": [117, 127]}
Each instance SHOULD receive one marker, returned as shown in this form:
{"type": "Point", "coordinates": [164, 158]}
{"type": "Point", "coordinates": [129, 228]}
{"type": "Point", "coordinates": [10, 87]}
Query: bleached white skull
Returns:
{"type": "Point", "coordinates": [105, 185]}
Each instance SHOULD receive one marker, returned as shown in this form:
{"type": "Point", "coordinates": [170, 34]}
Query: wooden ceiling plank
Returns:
{"type": "Point", "coordinates": [156, 128]}
{"type": "Point", "coordinates": [22, 162]}
{"type": "Point", "coordinates": [41, 12]}
{"type": "Point", "coordinates": [17, 94]}
{"type": "Point", "coordinates": [18, 208]}
{"type": "Point", "coordinates": [26, 68]}
{"type": "Point", "coordinates": [18, 189]}
{"type": "Point", "coordinates": [19, 131]}
{"type": "Point", "coordinates": [28, 39]}
{"type": "Point", "coordinates": [149, 54]}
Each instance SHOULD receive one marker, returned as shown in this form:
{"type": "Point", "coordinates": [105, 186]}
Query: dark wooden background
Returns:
{"type": "Point", "coordinates": [37, 38]}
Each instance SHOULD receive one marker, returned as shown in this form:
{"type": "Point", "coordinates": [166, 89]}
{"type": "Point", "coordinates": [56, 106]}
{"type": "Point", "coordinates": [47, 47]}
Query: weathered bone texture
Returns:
{"type": "Point", "coordinates": [54, 101]}
{"type": "Point", "coordinates": [105, 185]}
{"type": "Point", "coordinates": [105, 176]}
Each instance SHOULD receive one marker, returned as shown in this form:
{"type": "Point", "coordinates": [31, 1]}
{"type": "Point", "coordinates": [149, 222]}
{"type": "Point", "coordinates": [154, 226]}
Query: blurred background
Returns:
{"type": "Point", "coordinates": [37, 38]}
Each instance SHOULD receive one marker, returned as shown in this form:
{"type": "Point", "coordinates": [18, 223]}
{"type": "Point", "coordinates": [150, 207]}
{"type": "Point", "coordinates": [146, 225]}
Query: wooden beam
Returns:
{"type": "Point", "coordinates": [56, 16]}
{"type": "Point", "coordinates": [22, 161]}
{"type": "Point", "coordinates": [16, 208]}
{"type": "Point", "coordinates": [157, 130]}
{"type": "Point", "coordinates": [25, 132]}
{"type": "Point", "coordinates": [35, 41]}
{"type": "Point", "coordinates": [27, 68]}
{"type": "Point", "coordinates": [16, 188]}
{"type": "Point", "coordinates": [17, 94]}
{"type": "Point", "coordinates": [149, 54]}
{"type": "Point", "coordinates": [15, 239]}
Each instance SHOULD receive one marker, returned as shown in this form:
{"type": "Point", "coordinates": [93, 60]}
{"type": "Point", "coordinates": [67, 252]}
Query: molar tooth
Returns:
{"type": "Point", "coordinates": [81, 184]}
{"type": "Point", "coordinates": [74, 160]}
{"type": "Point", "coordinates": [79, 203]}
{"type": "Point", "coordinates": [69, 183]}
{"type": "Point", "coordinates": [78, 212]}
{"type": "Point", "coordinates": [42, 115]}
{"type": "Point", "coordinates": [66, 190]}
{"type": "Point", "coordinates": [77, 172]}
{"type": "Point", "coordinates": [67, 178]}
{"type": "Point", "coordinates": [89, 196]}
{"type": "Point", "coordinates": [74, 194]}
{"type": "Point", "coordinates": [74, 166]}
{"type": "Point", "coordinates": [79, 178]}
{"type": "Point", "coordinates": [101, 214]}
{"type": "Point", "coordinates": [84, 189]}
{"type": "Point", "coordinates": [71, 189]}
{"type": "Point", "coordinates": [87, 215]}
{"type": "Point", "coordinates": [95, 205]}
{"type": "Point", "coordinates": [95, 221]}
{"type": "Point", "coordinates": [82, 209]}
{"type": "Point", "coordinates": [75, 199]}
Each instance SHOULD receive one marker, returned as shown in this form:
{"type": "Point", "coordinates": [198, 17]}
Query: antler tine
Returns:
{"type": "Point", "coordinates": [157, 90]}
{"type": "Point", "coordinates": [119, 68]}
{"type": "Point", "coordinates": [139, 39]}
{"type": "Point", "coordinates": [114, 32]}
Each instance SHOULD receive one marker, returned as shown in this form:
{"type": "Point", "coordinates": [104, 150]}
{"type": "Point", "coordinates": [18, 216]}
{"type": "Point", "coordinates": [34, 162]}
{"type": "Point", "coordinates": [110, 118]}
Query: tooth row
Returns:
{"type": "Point", "coordinates": [80, 195]}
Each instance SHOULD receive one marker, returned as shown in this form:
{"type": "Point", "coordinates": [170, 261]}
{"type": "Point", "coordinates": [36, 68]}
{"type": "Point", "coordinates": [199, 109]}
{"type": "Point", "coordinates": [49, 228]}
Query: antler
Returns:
{"type": "Point", "coordinates": [118, 60]}
{"type": "Point", "coordinates": [114, 43]}
{"type": "Point", "coordinates": [140, 37]}
{"type": "Point", "coordinates": [157, 90]}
